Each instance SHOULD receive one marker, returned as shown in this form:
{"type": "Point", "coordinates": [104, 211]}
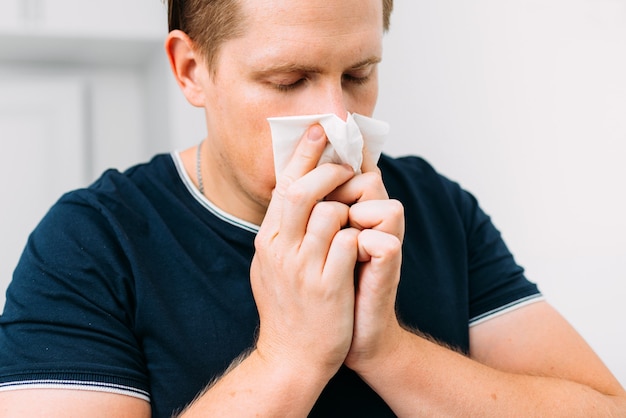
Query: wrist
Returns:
{"type": "Point", "coordinates": [388, 356]}
{"type": "Point", "coordinates": [297, 374]}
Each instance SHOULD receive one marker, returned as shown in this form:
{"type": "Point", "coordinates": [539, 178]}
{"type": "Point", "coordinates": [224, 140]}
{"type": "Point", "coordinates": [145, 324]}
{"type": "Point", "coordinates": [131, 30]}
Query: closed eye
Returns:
{"type": "Point", "coordinates": [290, 86]}
{"type": "Point", "coordinates": [358, 80]}
{"type": "Point", "coordinates": [361, 75]}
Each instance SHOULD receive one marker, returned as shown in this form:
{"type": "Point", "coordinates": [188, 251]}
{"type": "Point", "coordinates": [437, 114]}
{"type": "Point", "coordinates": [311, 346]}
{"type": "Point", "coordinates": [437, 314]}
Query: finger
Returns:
{"type": "Point", "coordinates": [305, 158]}
{"type": "Point", "coordinates": [341, 259]}
{"type": "Point", "coordinates": [368, 165]}
{"type": "Point", "coordinates": [383, 251]}
{"type": "Point", "coordinates": [327, 218]}
{"type": "Point", "coordinates": [380, 215]}
{"type": "Point", "coordinates": [367, 186]}
{"type": "Point", "coordinates": [380, 255]}
{"type": "Point", "coordinates": [302, 196]}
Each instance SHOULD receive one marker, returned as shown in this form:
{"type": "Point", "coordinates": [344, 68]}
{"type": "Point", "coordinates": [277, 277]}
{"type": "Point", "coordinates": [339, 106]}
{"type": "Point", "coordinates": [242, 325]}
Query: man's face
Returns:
{"type": "Point", "coordinates": [296, 57]}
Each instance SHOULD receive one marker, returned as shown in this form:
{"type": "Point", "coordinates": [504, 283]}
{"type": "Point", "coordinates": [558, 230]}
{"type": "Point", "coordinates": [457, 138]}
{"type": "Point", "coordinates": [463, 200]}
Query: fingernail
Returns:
{"type": "Point", "coordinates": [316, 133]}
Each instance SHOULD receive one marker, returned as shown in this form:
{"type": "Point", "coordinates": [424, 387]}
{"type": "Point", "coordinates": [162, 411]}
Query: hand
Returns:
{"type": "Point", "coordinates": [302, 274]}
{"type": "Point", "coordinates": [376, 328]}
{"type": "Point", "coordinates": [381, 225]}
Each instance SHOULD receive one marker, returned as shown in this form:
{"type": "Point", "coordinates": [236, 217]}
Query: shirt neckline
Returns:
{"type": "Point", "coordinates": [206, 203]}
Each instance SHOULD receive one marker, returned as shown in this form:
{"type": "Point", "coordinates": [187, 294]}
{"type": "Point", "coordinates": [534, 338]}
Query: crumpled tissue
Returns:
{"type": "Point", "coordinates": [345, 139]}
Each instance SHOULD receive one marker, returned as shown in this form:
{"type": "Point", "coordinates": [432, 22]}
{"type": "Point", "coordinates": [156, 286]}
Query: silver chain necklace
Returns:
{"type": "Point", "coordinates": [198, 169]}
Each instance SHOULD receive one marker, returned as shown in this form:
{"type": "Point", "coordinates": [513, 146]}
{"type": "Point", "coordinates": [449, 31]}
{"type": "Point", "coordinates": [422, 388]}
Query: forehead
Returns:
{"type": "Point", "coordinates": [311, 27]}
{"type": "Point", "coordinates": [325, 14]}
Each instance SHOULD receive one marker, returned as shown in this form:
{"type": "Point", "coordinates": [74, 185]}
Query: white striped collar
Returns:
{"type": "Point", "coordinates": [210, 206]}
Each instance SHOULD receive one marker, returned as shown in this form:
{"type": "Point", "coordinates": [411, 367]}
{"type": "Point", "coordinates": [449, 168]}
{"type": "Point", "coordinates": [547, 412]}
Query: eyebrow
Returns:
{"type": "Point", "coordinates": [297, 68]}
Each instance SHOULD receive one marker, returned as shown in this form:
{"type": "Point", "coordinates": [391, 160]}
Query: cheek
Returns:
{"type": "Point", "coordinates": [253, 144]}
{"type": "Point", "coordinates": [364, 102]}
{"type": "Point", "coordinates": [239, 117]}
{"type": "Point", "coordinates": [254, 129]}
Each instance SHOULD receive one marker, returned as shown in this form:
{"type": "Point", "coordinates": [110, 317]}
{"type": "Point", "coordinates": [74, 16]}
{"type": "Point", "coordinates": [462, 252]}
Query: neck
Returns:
{"type": "Point", "coordinates": [212, 182]}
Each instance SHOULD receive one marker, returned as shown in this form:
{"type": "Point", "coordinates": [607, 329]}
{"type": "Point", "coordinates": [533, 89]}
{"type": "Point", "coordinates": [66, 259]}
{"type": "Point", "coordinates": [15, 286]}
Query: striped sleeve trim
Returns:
{"type": "Point", "coordinates": [509, 307]}
{"type": "Point", "coordinates": [76, 385]}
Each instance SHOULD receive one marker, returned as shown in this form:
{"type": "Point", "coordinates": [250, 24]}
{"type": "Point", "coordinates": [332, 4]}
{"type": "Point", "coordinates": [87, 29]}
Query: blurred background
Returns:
{"type": "Point", "coordinates": [522, 102]}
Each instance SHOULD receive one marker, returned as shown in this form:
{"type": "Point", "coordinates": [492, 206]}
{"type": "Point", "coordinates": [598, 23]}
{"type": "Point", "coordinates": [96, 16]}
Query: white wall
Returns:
{"type": "Point", "coordinates": [524, 103]}
{"type": "Point", "coordinates": [115, 67]}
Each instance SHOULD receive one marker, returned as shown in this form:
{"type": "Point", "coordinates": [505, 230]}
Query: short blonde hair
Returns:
{"type": "Point", "coordinates": [209, 23]}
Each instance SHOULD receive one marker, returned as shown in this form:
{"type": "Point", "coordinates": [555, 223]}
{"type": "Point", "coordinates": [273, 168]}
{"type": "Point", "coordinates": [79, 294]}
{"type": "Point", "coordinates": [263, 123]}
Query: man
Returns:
{"type": "Point", "coordinates": [155, 292]}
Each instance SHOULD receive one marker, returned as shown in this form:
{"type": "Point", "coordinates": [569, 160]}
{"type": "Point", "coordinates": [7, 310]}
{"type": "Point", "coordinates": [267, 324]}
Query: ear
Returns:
{"type": "Point", "coordinates": [187, 66]}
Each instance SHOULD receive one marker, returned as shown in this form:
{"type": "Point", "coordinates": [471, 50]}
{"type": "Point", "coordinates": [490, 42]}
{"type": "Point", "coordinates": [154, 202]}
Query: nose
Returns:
{"type": "Point", "coordinates": [332, 99]}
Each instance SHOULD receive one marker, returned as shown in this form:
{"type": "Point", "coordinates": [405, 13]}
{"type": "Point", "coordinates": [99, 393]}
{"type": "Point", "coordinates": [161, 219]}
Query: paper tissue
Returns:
{"type": "Point", "coordinates": [345, 139]}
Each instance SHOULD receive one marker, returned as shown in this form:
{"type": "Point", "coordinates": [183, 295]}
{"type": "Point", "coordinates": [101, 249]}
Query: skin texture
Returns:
{"type": "Point", "coordinates": [319, 224]}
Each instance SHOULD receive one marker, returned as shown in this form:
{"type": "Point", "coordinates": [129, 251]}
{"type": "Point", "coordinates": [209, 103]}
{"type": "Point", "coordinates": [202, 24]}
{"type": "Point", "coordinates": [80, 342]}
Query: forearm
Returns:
{"type": "Point", "coordinates": [254, 387]}
{"type": "Point", "coordinates": [424, 378]}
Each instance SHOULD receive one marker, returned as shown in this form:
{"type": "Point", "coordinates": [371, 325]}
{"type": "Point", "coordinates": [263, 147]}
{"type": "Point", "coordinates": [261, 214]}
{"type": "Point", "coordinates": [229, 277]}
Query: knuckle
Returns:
{"type": "Point", "coordinates": [260, 241]}
{"type": "Point", "coordinates": [264, 239]}
{"type": "Point", "coordinates": [295, 193]}
{"type": "Point", "coordinates": [395, 245]}
{"type": "Point", "coordinates": [374, 176]}
{"type": "Point", "coordinates": [283, 183]}
{"type": "Point", "coordinates": [373, 186]}
{"type": "Point", "coordinates": [328, 210]}
{"type": "Point", "coordinates": [385, 243]}
{"type": "Point", "coordinates": [372, 179]}
{"type": "Point", "coordinates": [396, 208]}
{"type": "Point", "coordinates": [309, 157]}
{"type": "Point", "coordinates": [346, 238]}
{"type": "Point", "coordinates": [390, 245]}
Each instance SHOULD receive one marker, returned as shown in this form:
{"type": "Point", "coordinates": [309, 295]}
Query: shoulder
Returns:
{"type": "Point", "coordinates": [415, 172]}
{"type": "Point", "coordinates": [414, 181]}
{"type": "Point", "coordinates": [101, 215]}
{"type": "Point", "coordinates": [396, 168]}
{"type": "Point", "coordinates": [157, 172]}
{"type": "Point", "coordinates": [115, 191]}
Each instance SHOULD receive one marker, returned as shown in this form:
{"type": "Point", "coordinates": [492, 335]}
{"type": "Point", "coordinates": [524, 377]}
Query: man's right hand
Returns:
{"type": "Point", "coordinates": [302, 274]}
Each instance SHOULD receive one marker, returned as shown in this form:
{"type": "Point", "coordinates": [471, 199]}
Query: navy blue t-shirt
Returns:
{"type": "Point", "coordinates": [139, 285]}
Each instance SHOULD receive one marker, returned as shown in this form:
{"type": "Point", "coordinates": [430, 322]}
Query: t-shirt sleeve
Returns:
{"type": "Point", "coordinates": [496, 282]}
{"type": "Point", "coordinates": [68, 320]}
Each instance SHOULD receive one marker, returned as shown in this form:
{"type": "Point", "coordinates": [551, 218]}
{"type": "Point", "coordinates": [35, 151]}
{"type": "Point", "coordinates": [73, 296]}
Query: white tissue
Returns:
{"type": "Point", "coordinates": [345, 139]}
